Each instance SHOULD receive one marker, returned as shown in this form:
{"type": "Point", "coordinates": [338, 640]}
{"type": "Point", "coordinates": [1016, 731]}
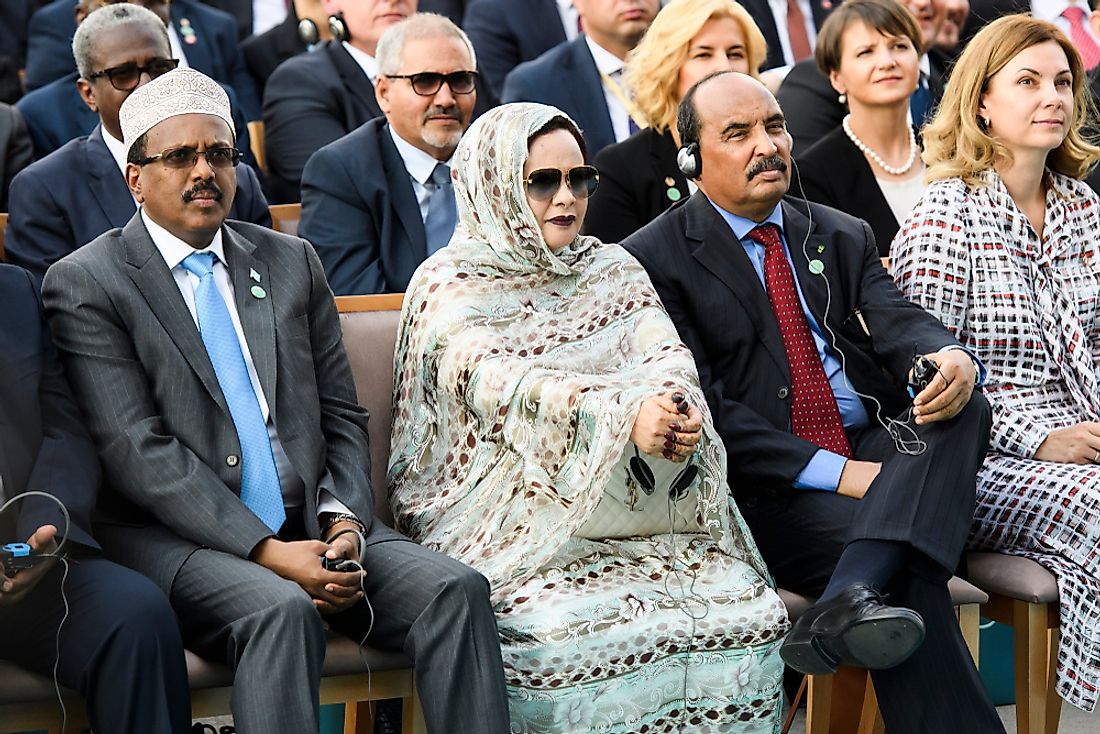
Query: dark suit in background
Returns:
{"type": "Point", "coordinates": [15, 15]}
{"type": "Point", "coordinates": [74, 195]}
{"type": "Point", "coordinates": [310, 101]}
{"type": "Point", "coordinates": [214, 52]}
{"type": "Point", "coordinates": [765, 21]}
{"type": "Point", "coordinates": [262, 54]}
{"type": "Point", "coordinates": [453, 9]}
{"type": "Point", "coordinates": [172, 507]}
{"type": "Point", "coordinates": [702, 272]}
{"type": "Point", "coordinates": [639, 179]}
{"type": "Point", "coordinates": [120, 645]}
{"type": "Point", "coordinates": [361, 215]}
{"type": "Point", "coordinates": [984, 11]}
{"type": "Point", "coordinates": [834, 172]}
{"type": "Point", "coordinates": [505, 35]}
{"type": "Point", "coordinates": [16, 149]}
{"type": "Point", "coordinates": [241, 10]}
{"type": "Point", "coordinates": [566, 77]}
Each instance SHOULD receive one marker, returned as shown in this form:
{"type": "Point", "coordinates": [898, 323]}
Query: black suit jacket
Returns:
{"type": "Point", "coordinates": [214, 52]}
{"type": "Point", "coordinates": [634, 189]}
{"type": "Point", "coordinates": [310, 101]}
{"type": "Point", "coordinates": [723, 314]}
{"type": "Point", "coordinates": [567, 78]}
{"type": "Point", "coordinates": [77, 193]}
{"type": "Point", "coordinates": [43, 444]}
{"type": "Point", "coordinates": [360, 213]}
{"type": "Point", "coordinates": [984, 11]}
{"type": "Point", "coordinates": [504, 36]}
{"type": "Point", "coordinates": [835, 173]}
{"type": "Point", "coordinates": [263, 53]}
{"type": "Point", "coordinates": [812, 107]}
{"type": "Point", "coordinates": [765, 21]}
{"type": "Point", "coordinates": [241, 10]}
{"type": "Point", "coordinates": [16, 150]}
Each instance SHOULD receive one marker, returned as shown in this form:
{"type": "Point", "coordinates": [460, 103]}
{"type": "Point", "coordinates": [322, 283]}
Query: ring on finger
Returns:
{"type": "Point", "coordinates": [1096, 457]}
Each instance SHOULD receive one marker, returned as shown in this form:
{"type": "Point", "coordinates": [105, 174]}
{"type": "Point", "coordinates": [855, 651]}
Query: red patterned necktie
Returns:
{"type": "Point", "coordinates": [1082, 39]}
{"type": "Point", "coordinates": [814, 413]}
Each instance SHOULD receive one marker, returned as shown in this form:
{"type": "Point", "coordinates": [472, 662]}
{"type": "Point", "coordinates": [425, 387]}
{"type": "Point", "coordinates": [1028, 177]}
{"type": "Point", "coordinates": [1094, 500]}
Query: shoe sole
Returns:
{"type": "Point", "coordinates": [878, 644]}
{"type": "Point", "coordinates": [807, 657]}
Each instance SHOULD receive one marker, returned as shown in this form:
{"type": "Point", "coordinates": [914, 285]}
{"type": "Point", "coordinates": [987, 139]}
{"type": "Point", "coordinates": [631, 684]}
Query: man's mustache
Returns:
{"type": "Point", "coordinates": [452, 112]}
{"type": "Point", "coordinates": [203, 188]}
{"type": "Point", "coordinates": [771, 163]}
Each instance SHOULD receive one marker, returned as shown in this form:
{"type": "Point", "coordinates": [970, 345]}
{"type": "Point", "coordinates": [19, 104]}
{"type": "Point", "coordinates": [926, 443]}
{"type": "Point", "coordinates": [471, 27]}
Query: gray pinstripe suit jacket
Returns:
{"type": "Point", "coordinates": [154, 407]}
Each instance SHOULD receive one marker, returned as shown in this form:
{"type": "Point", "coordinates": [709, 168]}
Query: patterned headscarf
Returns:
{"type": "Point", "coordinates": [519, 373]}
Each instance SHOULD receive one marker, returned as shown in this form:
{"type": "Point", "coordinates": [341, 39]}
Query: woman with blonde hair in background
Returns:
{"type": "Point", "coordinates": [1004, 247]}
{"type": "Point", "coordinates": [689, 39]}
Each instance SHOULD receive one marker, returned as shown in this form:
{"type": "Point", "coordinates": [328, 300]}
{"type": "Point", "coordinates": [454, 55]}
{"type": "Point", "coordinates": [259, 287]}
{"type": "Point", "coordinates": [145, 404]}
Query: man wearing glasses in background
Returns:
{"type": "Point", "coordinates": [79, 191]}
{"type": "Point", "coordinates": [207, 358]}
{"type": "Point", "coordinates": [379, 200]}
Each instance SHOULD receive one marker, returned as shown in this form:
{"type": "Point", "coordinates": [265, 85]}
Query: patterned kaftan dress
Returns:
{"type": "Point", "coordinates": [518, 375]}
{"type": "Point", "coordinates": [1029, 309]}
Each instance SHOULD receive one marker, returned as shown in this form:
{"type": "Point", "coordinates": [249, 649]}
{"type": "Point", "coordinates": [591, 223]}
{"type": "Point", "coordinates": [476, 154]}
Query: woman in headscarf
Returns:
{"type": "Point", "coordinates": [549, 431]}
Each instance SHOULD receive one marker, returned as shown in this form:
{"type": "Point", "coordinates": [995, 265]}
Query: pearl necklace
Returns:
{"type": "Point", "coordinates": [892, 170]}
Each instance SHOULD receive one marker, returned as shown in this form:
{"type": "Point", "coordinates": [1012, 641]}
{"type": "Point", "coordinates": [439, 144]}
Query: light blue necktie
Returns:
{"type": "Point", "coordinates": [439, 225]}
{"type": "Point", "coordinates": [260, 486]}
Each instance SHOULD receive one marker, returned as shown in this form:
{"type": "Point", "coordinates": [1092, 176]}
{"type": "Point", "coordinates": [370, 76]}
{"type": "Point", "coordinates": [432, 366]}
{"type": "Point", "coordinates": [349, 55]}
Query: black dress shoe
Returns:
{"type": "Point", "coordinates": [853, 628]}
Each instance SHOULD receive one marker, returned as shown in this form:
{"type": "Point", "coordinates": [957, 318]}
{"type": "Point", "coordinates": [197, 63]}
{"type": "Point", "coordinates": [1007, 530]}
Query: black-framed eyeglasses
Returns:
{"type": "Point", "coordinates": [545, 182]}
{"type": "Point", "coordinates": [125, 77]}
{"type": "Point", "coordinates": [428, 83]}
{"type": "Point", "coordinates": [185, 158]}
{"type": "Point", "coordinates": [643, 475]}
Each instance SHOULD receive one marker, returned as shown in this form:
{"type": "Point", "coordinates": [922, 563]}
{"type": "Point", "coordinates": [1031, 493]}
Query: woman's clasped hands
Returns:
{"type": "Point", "coordinates": [660, 429]}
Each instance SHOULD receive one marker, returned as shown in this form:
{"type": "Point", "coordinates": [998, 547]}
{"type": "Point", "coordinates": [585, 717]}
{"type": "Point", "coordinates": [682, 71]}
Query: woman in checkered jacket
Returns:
{"type": "Point", "coordinates": [1004, 247]}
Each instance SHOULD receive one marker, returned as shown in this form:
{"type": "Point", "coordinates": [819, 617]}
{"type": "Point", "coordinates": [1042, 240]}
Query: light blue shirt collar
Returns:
{"type": "Point", "coordinates": [742, 226]}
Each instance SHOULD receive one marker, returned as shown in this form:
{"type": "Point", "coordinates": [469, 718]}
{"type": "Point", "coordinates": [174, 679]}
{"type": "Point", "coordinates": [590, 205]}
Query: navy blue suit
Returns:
{"type": "Point", "coordinates": [360, 213]}
{"type": "Point", "coordinates": [567, 78]}
{"type": "Point", "coordinates": [761, 12]}
{"type": "Point", "coordinates": [77, 193]}
{"type": "Point", "coordinates": [504, 37]}
{"type": "Point", "coordinates": [214, 52]}
{"type": "Point", "coordinates": [120, 645]}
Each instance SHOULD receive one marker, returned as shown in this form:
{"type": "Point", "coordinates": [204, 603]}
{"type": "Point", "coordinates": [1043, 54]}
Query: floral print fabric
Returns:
{"type": "Point", "coordinates": [518, 375]}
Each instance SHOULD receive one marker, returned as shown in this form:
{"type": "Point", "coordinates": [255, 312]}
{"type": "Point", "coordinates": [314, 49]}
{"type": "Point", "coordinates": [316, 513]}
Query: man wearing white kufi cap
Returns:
{"type": "Point", "coordinates": [207, 357]}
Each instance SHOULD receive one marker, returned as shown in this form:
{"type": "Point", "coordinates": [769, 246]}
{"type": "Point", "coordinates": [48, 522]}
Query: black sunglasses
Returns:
{"type": "Point", "coordinates": [643, 475]}
{"type": "Point", "coordinates": [428, 83]}
{"type": "Point", "coordinates": [221, 157]}
{"type": "Point", "coordinates": [545, 182]}
{"type": "Point", "coordinates": [125, 77]}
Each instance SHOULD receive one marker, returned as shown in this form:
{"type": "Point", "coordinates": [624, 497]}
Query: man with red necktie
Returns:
{"type": "Point", "coordinates": [804, 348]}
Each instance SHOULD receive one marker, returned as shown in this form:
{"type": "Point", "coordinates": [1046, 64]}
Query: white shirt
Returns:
{"type": "Point", "coordinates": [569, 17]}
{"type": "Point", "coordinates": [365, 60]}
{"type": "Point", "coordinates": [1051, 10]}
{"type": "Point", "coordinates": [176, 47]}
{"type": "Point", "coordinates": [420, 167]}
{"type": "Point", "coordinates": [611, 65]}
{"type": "Point", "coordinates": [902, 195]}
{"type": "Point", "coordinates": [174, 251]}
{"type": "Point", "coordinates": [267, 14]}
{"type": "Point", "coordinates": [779, 14]}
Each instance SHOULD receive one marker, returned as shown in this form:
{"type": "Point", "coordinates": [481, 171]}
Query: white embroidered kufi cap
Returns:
{"type": "Point", "coordinates": [179, 92]}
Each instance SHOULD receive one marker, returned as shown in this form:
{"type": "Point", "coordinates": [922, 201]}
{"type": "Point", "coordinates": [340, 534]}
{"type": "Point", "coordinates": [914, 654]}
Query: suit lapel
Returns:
{"type": "Point", "coordinates": [354, 78]}
{"type": "Point", "coordinates": [200, 53]}
{"type": "Point", "coordinates": [157, 285]}
{"type": "Point", "coordinates": [718, 251]}
{"type": "Point", "coordinates": [798, 230]}
{"type": "Point", "coordinates": [107, 185]}
{"type": "Point", "coordinates": [404, 200]}
{"type": "Point", "coordinates": [588, 95]}
{"type": "Point", "coordinates": [257, 315]}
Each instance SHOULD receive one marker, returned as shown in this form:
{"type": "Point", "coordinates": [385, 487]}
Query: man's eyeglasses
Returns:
{"type": "Point", "coordinates": [181, 158]}
{"type": "Point", "coordinates": [545, 182]}
{"type": "Point", "coordinates": [125, 77]}
{"type": "Point", "coordinates": [428, 83]}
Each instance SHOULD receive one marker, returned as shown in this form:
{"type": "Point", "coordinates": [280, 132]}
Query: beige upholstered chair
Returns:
{"type": "Point", "coordinates": [285, 217]}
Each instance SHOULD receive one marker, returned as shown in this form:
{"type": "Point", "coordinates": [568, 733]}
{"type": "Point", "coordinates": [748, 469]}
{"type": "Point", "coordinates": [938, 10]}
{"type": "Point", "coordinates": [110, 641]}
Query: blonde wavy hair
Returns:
{"type": "Point", "coordinates": [653, 67]}
{"type": "Point", "coordinates": [957, 146]}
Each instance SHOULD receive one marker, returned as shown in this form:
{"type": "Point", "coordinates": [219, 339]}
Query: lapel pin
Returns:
{"type": "Point", "coordinates": [258, 292]}
{"type": "Point", "coordinates": [820, 249]}
{"type": "Point", "coordinates": [670, 181]}
{"type": "Point", "coordinates": [673, 194]}
{"type": "Point", "coordinates": [188, 32]}
{"type": "Point", "coordinates": [816, 267]}
{"type": "Point", "coordinates": [254, 275]}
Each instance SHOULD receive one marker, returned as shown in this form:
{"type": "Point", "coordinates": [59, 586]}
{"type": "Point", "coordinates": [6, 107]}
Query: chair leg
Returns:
{"type": "Point", "coordinates": [818, 704]}
{"type": "Point", "coordinates": [970, 624]}
{"type": "Point", "coordinates": [358, 717]}
{"type": "Point", "coordinates": [870, 720]}
{"type": "Point", "coordinates": [1031, 657]}
{"type": "Point", "coordinates": [848, 691]}
{"type": "Point", "coordinates": [412, 715]}
{"type": "Point", "coordinates": [1054, 701]}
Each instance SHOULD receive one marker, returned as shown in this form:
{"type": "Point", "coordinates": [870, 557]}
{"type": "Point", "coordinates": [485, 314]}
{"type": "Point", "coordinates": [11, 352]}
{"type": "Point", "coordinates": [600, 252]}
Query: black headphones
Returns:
{"type": "Point", "coordinates": [689, 161]}
{"type": "Point", "coordinates": [339, 28]}
{"type": "Point", "coordinates": [308, 32]}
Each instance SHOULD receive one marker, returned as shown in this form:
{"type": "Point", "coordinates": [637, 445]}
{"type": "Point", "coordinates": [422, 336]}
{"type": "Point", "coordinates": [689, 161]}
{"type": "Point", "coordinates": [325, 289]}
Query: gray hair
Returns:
{"type": "Point", "coordinates": [108, 18]}
{"type": "Point", "coordinates": [391, 46]}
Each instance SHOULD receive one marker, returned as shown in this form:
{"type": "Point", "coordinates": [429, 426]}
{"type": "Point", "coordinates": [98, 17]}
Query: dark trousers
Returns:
{"type": "Point", "coordinates": [120, 646]}
{"type": "Point", "coordinates": [926, 501]}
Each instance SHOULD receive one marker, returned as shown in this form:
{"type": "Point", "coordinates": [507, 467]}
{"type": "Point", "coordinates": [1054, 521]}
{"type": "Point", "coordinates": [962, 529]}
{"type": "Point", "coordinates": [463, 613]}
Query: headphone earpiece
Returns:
{"type": "Point", "coordinates": [308, 32]}
{"type": "Point", "coordinates": [689, 161]}
{"type": "Point", "coordinates": [339, 28]}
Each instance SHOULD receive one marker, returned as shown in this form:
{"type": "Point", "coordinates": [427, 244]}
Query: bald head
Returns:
{"type": "Point", "coordinates": [742, 141]}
